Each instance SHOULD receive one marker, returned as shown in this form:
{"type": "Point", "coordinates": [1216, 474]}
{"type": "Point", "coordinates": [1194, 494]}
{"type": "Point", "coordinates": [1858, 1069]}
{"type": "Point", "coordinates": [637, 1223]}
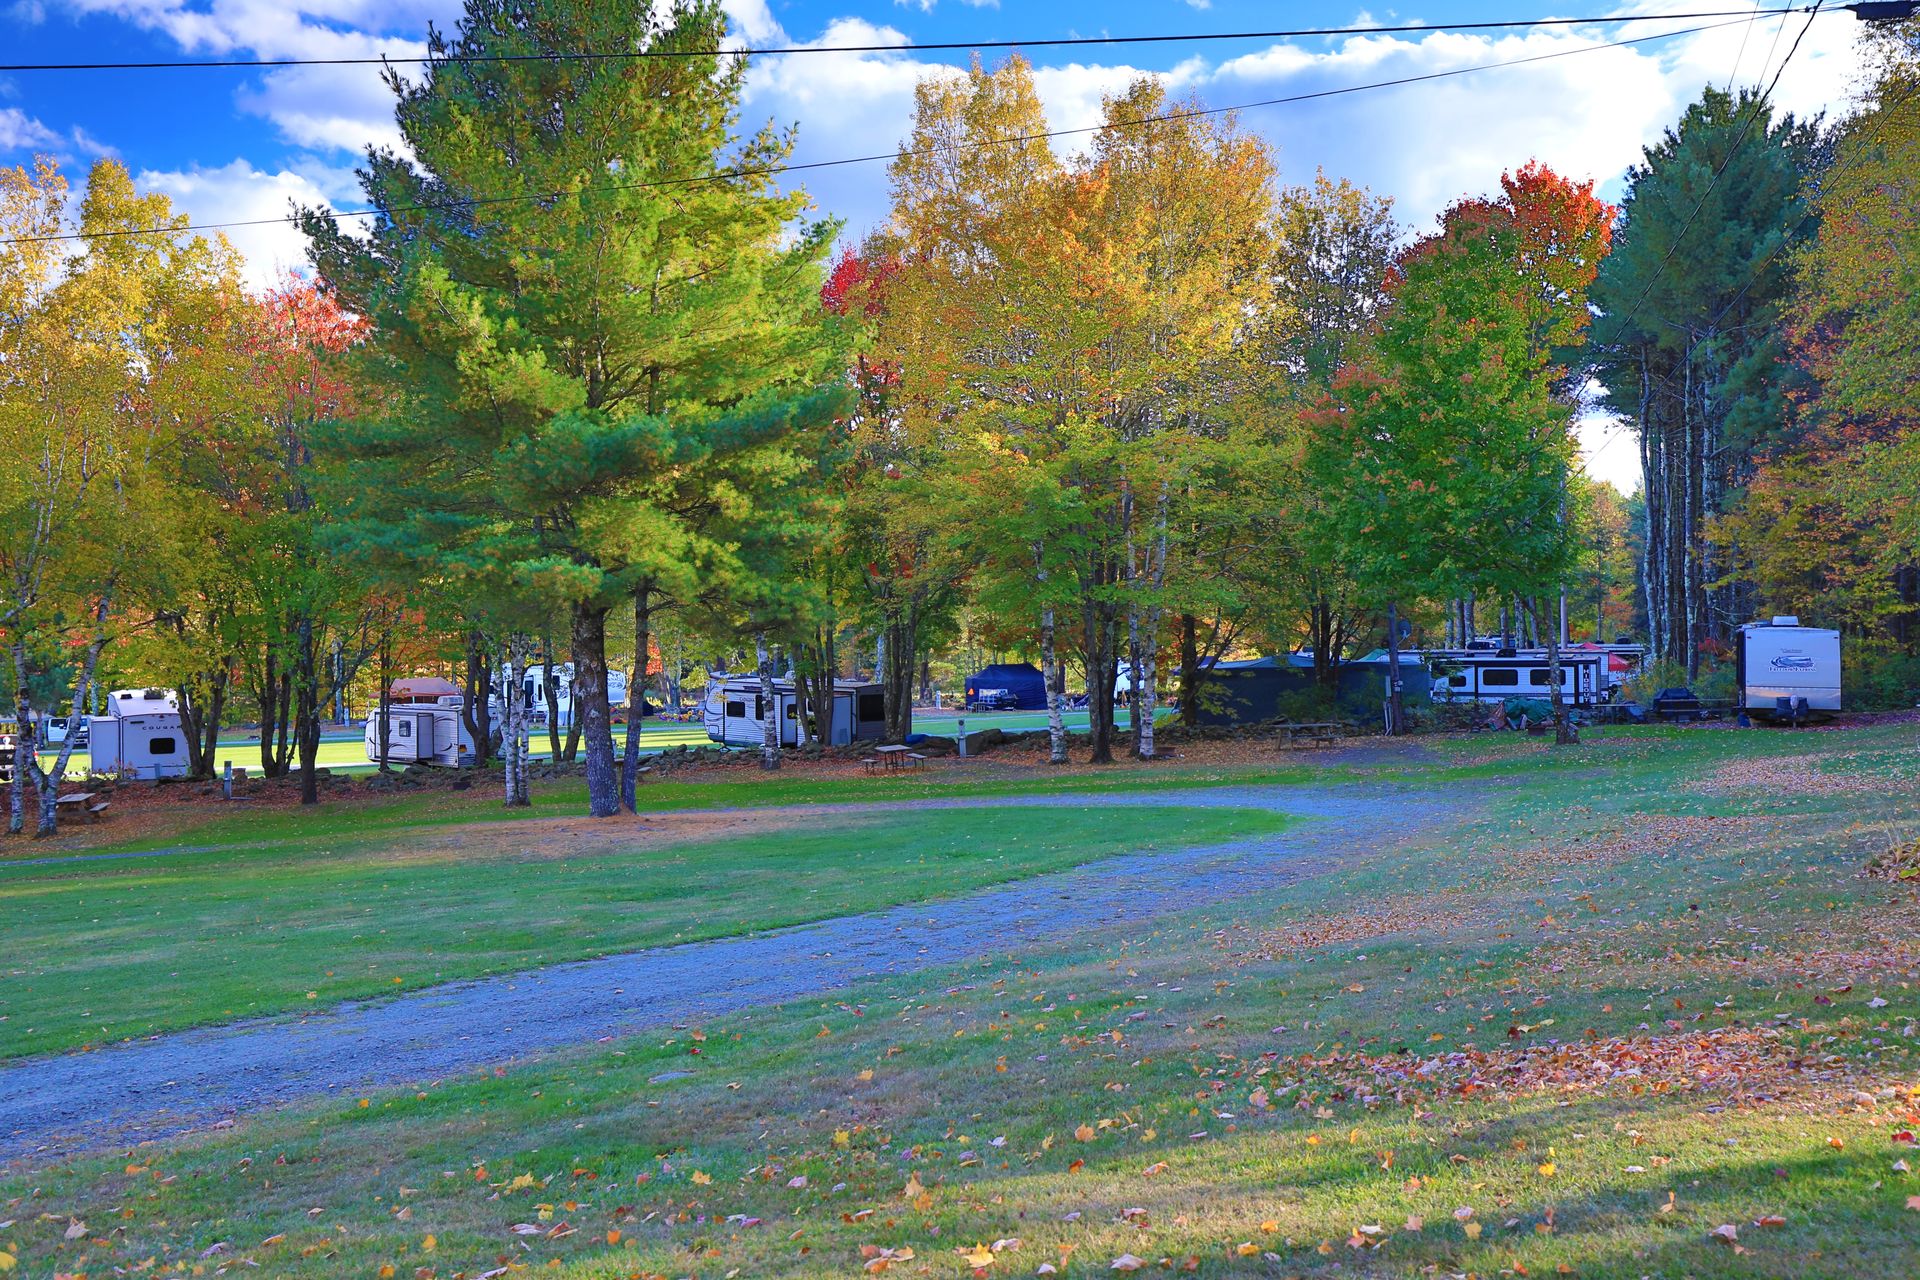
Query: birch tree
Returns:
{"type": "Point", "coordinates": [100, 349]}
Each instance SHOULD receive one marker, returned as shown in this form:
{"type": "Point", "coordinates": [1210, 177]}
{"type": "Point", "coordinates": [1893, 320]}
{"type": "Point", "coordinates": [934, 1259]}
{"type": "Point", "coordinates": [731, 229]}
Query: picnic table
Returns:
{"type": "Point", "coordinates": [81, 802]}
{"type": "Point", "coordinates": [893, 758]}
{"type": "Point", "coordinates": [1319, 733]}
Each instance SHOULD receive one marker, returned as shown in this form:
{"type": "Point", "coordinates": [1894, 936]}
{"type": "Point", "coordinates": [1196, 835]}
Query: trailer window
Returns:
{"type": "Point", "coordinates": [738, 710]}
{"type": "Point", "coordinates": [793, 711]}
{"type": "Point", "coordinates": [873, 706]}
{"type": "Point", "coordinates": [162, 746]}
{"type": "Point", "coordinates": [1539, 677]}
{"type": "Point", "coordinates": [1500, 677]}
{"type": "Point", "coordinates": [1458, 681]}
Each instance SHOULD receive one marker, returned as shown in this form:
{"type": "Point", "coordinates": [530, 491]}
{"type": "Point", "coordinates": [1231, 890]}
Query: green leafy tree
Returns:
{"type": "Point", "coordinates": [1444, 451]}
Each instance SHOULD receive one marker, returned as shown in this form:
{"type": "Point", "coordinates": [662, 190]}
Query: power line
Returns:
{"type": "Point", "coordinates": [948, 46]}
{"type": "Point", "coordinates": [473, 202]}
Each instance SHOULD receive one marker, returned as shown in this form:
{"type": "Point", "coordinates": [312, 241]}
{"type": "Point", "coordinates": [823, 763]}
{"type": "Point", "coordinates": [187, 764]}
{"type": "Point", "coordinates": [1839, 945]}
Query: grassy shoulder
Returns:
{"type": "Point", "coordinates": [107, 950]}
{"type": "Point", "coordinates": [1663, 1028]}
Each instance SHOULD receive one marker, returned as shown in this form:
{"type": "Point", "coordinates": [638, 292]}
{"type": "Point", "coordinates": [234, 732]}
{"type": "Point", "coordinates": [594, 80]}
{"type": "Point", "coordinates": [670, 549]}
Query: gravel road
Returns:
{"type": "Point", "coordinates": [116, 1096]}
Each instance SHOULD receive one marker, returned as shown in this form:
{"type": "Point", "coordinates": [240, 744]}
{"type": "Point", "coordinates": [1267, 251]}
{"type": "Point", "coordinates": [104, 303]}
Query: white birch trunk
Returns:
{"type": "Point", "coordinates": [770, 711]}
{"type": "Point", "coordinates": [1145, 671]}
{"type": "Point", "coordinates": [1049, 667]}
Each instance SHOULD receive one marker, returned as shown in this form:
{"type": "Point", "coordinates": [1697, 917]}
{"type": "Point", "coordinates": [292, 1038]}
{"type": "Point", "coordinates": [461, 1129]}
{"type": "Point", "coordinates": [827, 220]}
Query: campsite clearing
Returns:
{"type": "Point", "coordinates": [112, 949]}
{"type": "Point", "coordinates": [1621, 1033]}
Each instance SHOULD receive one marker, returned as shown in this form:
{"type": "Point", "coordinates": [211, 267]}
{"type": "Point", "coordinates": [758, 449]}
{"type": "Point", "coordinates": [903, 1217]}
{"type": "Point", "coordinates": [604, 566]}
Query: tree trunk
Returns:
{"type": "Point", "coordinates": [550, 693]}
{"type": "Point", "coordinates": [1190, 674]}
{"type": "Point", "coordinates": [1147, 647]}
{"type": "Point", "coordinates": [769, 709]}
{"type": "Point", "coordinates": [1056, 696]}
{"type": "Point", "coordinates": [475, 712]}
{"type": "Point", "coordinates": [1134, 659]}
{"type": "Point", "coordinates": [637, 696]}
{"type": "Point", "coordinates": [900, 638]}
{"type": "Point", "coordinates": [515, 740]}
{"type": "Point", "coordinates": [306, 719]}
{"type": "Point", "coordinates": [385, 710]}
{"type": "Point", "coordinates": [592, 717]}
{"type": "Point", "coordinates": [1562, 728]}
{"type": "Point", "coordinates": [269, 682]}
{"type": "Point", "coordinates": [1396, 711]}
{"type": "Point", "coordinates": [46, 782]}
{"type": "Point", "coordinates": [1101, 673]}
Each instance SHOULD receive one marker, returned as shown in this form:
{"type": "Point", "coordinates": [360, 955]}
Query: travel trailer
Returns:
{"type": "Point", "coordinates": [536, 700]}
{"type": "Point", "coordinates": [425, 725]}
{"type": "Point", "coordinates": [1478, 675]}
{"type": "Point", "coordinates": [141, 737]}
{"type": "Point", "coordinates": [423, 733]}
{"type": "Point", "coordinates": [1786, 672]}
{"type": "Point", "coordinates": [735, 712]}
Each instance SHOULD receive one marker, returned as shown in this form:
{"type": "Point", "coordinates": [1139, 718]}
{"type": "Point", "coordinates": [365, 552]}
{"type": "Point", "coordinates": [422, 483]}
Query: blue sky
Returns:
{"type": "Point", "coordinates": [232, 144]}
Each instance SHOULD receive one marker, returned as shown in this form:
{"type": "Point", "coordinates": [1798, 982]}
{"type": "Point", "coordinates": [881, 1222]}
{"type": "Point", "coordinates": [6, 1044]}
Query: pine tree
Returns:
{"type": "Point", "coordinates": [1688, 344]}
{"type": "Point", "coordinates": [587, 292]}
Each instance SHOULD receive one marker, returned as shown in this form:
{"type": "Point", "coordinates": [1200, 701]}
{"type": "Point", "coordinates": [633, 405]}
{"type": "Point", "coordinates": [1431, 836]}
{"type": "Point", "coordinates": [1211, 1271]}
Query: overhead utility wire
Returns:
{"type": "Point", "coordinates": [946, 46]}
{"type": "Point", "coordinates": [777, 169]}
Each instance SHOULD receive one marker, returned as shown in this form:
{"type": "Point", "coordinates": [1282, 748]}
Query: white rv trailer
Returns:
{"type": "Point", "coordinates": [536, 701]}
{"type": "Point", "coordinates": [423, 733]}
{"type": "Point", "coordinates": [1477, 675]}
{"type": "Point", "coordinates": [735, 712]}
{"type": "Point", "coordinates": [141, 737]}
{"type": "Point", "coordinates": [1785, 671]}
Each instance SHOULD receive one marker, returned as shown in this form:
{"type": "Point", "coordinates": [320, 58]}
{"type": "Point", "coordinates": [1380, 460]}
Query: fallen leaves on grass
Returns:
{"type": "Point", "coordinates": [878, 1258]}
{"type": "Point", "coordinates": [1419, 915]}
{"type": "Point", "coordinates": [1748, 1064]}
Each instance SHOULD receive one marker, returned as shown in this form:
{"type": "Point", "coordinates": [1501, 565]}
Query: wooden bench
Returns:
{"type": "Point", "coordinates": [915, 760]}
{"type": "Point", "coordinates": [83, 802]}
{"type": "Point", "coordinates": [95, 810]}
{"type": "Point", "coordinates": [871, 764]}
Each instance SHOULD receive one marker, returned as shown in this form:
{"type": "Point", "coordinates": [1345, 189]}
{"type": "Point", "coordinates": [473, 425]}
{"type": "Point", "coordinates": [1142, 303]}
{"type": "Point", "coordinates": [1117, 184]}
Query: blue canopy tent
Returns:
{"type": "Point", "coordinates": [1025, 689]}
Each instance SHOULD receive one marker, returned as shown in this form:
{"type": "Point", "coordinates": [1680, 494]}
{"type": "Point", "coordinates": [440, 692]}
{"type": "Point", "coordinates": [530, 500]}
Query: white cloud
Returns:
{"type": "Point", "coordinates": [21, 132]}
{"type": "Point", "coordinates": [238, 192]}
{"type": "Point", "coordinates": [321, 107]}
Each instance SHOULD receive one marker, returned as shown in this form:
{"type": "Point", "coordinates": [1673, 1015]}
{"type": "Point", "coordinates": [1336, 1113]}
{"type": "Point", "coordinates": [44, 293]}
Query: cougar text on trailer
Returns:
{"type": "Point", "coordinates": [1788, 672]}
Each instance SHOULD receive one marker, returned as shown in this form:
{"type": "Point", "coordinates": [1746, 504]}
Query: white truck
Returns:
{"type": "Point", "coordinates": [1786, 672]}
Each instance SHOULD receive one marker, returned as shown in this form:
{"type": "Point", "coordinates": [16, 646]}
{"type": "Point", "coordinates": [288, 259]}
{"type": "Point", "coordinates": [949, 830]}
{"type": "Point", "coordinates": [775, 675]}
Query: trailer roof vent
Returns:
{"type": "Point", "coordinates": [1786, 620]}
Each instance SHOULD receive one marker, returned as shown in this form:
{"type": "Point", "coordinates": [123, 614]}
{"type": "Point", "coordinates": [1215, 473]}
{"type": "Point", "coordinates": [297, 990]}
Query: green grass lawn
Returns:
{"type": "Point", "coordinates": [109, 950]}
{"type": "Point", "coordinates": [1642, 997]}
{"type": "Point", "coordinates": [330, 821]}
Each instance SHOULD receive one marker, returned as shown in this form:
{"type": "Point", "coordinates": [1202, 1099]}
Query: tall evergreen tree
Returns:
{"type": "Point", "coordinates": [587, 295]}
{"type": "Point", "coordinates": [1689, 346]}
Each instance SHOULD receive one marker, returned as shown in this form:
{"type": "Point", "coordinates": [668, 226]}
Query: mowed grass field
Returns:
{"type": "Point", "coordinates": [1638, 1013]}
{"type": "Point", "coordinates": [110, 949]}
